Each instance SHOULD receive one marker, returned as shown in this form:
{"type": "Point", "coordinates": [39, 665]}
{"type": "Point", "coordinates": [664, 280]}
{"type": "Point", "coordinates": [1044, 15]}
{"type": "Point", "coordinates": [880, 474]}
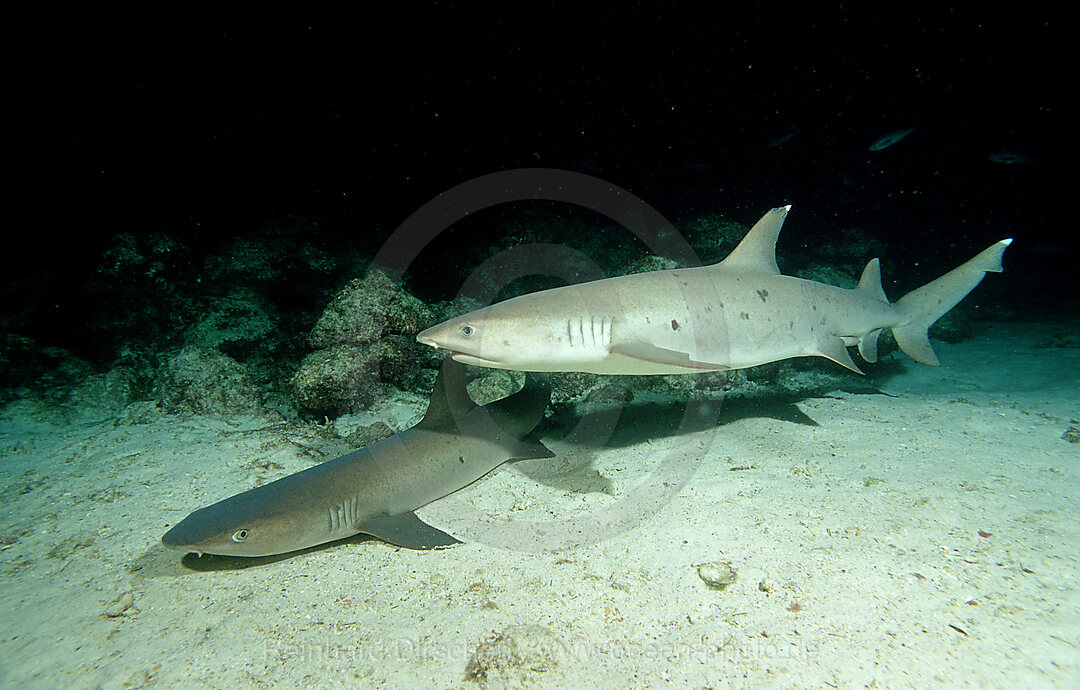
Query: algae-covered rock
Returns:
{"type": "Point", "coordinates": [404, 363]}
{"type": "Point", "coordinates": [347, 378]}
{"type": "Point", "coordinates": [364, 338]}
{"type": "Point", "coordinates": [141, 293]}
{"type": "Point", "coordinates": [113, 390]}
{"type": "Point", "coordinates": [366, 310]}
{"type": "Point", "coordinates": [200, 381]}
{"type": "Point", "coordinates": [22, 360]}
{"type": "Point", "coordinates": [574, 386]}
{"type": "Point", "coordinates": [336, 380]}
{"type": "Point", "coordinates": [495, 384]}
{"type": "Point", "coordinates": [368, 434]}
{"type": "Point", "coordinates": [241, 324]}
{"type": "Point", "coordinates": [610, 393]}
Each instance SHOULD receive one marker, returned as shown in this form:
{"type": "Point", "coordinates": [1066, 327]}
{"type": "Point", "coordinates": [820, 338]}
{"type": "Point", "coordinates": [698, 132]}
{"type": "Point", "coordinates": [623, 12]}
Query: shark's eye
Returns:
{"type": "Point", "coordinates": [240, 535]}
{"type": "Point", "coordinates": [467, 330]}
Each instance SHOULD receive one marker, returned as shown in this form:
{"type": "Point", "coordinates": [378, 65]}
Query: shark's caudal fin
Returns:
{"type": "Point", "coordinates": [924, 306]}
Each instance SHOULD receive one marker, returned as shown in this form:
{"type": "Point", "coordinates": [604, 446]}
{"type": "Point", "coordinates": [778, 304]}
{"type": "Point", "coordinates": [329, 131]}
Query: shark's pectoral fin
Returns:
{"type": "Point", "coordinates": [523, 450]}
{"type": "Point", "coordinates": [834, 349]}
{"type": "Point", "coordinates": [648, 352]}
{"type": "Point", "coordinates": [406, 530]}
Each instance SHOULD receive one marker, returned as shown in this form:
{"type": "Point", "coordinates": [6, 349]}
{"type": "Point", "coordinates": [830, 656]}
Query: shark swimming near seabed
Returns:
{"type": "Point", "coordinates": [738, 313]}
{"type": "Point", "coordinates": [374, 490]}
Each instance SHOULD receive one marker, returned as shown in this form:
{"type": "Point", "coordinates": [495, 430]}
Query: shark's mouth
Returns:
{"type": "Point", "coordinates": [183, 548]}
{"type": "Point", "coordinates": [459, 356]}
{"type": "Point", "coordinates": [466, 358]}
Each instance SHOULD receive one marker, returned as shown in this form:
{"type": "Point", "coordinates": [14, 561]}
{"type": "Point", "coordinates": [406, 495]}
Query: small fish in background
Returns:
{"type": "Point", "coordinates": [1009, 157]}
{"type": "Point", "coordinates": [784, 138]}
{"type": "Point", "coordinates": [889, 138]}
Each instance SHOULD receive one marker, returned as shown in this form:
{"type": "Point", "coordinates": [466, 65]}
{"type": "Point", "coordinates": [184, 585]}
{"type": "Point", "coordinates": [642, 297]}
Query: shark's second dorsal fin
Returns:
{"type": "Point", "coordinates": [450, 400]}
{"type": "Point", "coordinates": [757, 251]}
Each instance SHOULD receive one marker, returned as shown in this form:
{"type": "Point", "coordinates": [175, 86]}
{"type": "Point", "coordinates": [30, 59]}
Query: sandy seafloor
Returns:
{"type": "Point", "coordinates": [923, 536]}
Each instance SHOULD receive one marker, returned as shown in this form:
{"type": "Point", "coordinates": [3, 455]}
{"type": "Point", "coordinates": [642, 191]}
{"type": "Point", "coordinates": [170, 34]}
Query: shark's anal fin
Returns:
{"type": "Point", "coordinates": [868, 346]}
{"type": "Point", "coordinates": [651, 353]}
{"type": "Point", "coordinates": [406, 530]}
{"type": "Point", "coordinates": [834, 349]}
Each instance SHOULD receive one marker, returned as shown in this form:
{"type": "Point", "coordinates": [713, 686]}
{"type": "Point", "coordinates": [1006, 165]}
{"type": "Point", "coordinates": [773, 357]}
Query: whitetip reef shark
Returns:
{"type": "Point", "coordinates": [738, 313]}
{"type": "Point", "coordinates": [374, 490]}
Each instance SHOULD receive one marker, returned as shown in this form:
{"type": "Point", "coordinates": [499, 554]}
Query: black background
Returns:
{"type": "Point", "coordinates": [207, 122]}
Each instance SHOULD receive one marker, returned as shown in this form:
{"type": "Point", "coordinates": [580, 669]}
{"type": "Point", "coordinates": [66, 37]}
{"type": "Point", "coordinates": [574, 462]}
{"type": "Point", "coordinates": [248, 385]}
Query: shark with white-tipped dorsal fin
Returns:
{"type": "Point", "coordinates": [738, 313]}
{"type": "Point", "coordinates": [374, 490]}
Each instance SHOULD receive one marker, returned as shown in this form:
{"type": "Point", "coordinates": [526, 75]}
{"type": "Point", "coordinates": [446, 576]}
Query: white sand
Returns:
{"type": "Point", "coordinates": [856, 544]}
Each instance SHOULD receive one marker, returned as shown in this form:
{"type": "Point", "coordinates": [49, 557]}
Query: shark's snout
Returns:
{"type": "Point", "coordinates": [175, 540]}
{"type": "Point", "coordinates": [444, 337]}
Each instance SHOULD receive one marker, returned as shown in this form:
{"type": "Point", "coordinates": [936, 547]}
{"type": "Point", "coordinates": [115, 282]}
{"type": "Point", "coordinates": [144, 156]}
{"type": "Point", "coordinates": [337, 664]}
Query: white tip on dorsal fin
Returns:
{"type": "Point", "coordinates": [870, 282]}
{"type": "Point", "coordinates": [757, 251]}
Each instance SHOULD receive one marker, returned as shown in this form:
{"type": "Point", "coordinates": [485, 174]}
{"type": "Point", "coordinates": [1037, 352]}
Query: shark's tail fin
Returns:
{"type": "Point", "coordinates": [924, 306]}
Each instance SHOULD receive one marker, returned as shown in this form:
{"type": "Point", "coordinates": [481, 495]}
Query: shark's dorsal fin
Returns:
{"type": "Point", "coordinates": [870, 282]}
{"type": "Point", "coordinates": [757, 251]}
{"type": "Point", "coordinates": [450, 400]}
